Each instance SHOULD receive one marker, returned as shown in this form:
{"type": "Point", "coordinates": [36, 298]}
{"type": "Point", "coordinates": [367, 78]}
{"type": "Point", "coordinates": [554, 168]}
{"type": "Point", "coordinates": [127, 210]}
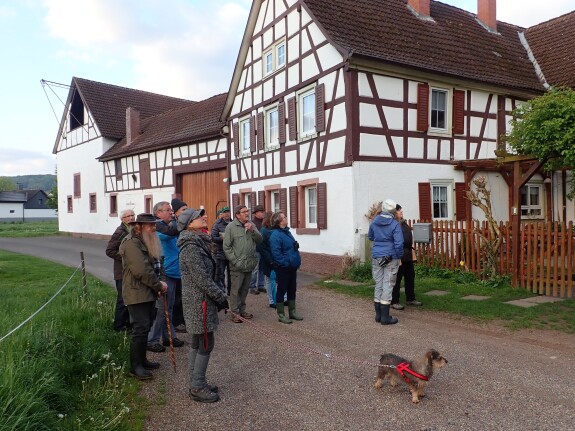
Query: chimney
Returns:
{"type": "Point", "coordinates": [132, 124]}
{"type": "Point", "coordinates": [421, 7]}
{"type": "Point", "coordinates": [486, 13]}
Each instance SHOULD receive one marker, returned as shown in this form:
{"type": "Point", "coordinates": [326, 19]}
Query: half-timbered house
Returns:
{"type": "Point", "coordinates": [122, 148]}
{"type": "Point", "coordinates": [337, 104]}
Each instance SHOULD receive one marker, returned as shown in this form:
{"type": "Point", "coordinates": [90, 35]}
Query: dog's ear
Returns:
{"type": "Point", "coordinates": [433, 355]}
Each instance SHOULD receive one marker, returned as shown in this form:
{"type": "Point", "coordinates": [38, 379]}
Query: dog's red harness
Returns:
{"type": "Point", "coordinates": [404, 366]}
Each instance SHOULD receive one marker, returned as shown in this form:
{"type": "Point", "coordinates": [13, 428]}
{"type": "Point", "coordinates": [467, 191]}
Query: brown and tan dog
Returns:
{"type": "Point", "coordinates": [415, 373]}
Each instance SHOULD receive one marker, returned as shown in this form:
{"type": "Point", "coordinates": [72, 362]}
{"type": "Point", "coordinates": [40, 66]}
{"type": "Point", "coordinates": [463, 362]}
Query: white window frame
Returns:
{"type": "Point", "coordinates": [300, 106]}
{"type": "Point", "coordinates": [271, 58]}
{"type": "Point", "coordinates": [248, 200]}
{"type": "Point", "coordinates": [449, 199]}
{"type": "Point", "coordinates": [268, 61]}
{"type": "Point", "coordinates": [448, 107]}
{"type": "Point", "coordinates": [529, 210]}
{"type": "Point", "coordinates": [245, 144]}
{"type": "Point", "coordinates": [310, 207]}
{"type": "Point", "coordinates": [278, 47]}
{"type": "Point", "coordinates": [275, 200]}
{"type": "Point", "coordinates": [271, 143]}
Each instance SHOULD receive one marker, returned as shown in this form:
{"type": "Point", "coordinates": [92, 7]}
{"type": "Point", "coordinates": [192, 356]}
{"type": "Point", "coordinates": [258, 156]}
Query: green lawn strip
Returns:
{"type": "Point", "coordinates": [32, 229]}
{"type": "Point", "coordinates": [66, 368]}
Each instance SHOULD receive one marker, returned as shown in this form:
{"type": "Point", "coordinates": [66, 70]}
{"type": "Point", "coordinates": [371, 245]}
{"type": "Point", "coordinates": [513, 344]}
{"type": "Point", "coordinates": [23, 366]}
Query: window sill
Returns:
{"type": "Point", "coordinates": [307, 137]}
{"type": "Point", "coordinates": [439, 132]}
{"type": "Point", "coordinates": [307, 231]}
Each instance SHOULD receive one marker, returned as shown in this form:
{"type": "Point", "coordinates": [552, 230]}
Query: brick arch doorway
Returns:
{"type": "Point", "coordinates": [205, 189]}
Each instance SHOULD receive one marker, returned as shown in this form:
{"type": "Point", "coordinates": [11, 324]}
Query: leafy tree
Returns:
{"type": "Point", "coordinates": [544, 127]}
{"type": "Point", "coordinates": [6, 184]}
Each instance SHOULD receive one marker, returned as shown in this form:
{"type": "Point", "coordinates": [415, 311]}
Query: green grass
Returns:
{"type": "Point", "coordinates": [20, 230]}
{"type": "Point", "coordinates": [559, 316]}
{"type": "Point", "coordinates": [66, 368]}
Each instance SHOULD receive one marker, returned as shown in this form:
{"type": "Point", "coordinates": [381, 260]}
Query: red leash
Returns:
{"type": "Point", "coordinates": [404, 366]}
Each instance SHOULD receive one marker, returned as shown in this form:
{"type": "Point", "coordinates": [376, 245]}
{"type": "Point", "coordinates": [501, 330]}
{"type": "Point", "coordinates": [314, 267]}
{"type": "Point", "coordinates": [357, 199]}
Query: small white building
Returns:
{"type": "Point", "coordinates": [25, 206]}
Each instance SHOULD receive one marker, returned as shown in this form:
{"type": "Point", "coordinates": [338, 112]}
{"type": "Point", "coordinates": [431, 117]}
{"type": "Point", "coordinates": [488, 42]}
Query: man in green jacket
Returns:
{"type": "Point", "coordinates": [141, 284]}
{"type": "Point", "coordinates": [240, 240]}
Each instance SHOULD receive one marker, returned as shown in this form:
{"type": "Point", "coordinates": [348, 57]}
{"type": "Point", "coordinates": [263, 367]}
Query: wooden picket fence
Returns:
{"type": "Point", "coordinates": [546, 253]}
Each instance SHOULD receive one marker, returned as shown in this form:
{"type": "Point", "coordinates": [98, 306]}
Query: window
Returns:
{"type": "Point", "coordinates": [118, 168]}
{"type": "Point", "coordinates": [76, 112]}
{"type": "Point", "coordinates": [307, 113]}
{"type": "Point", "coordinates": [248, 200]}
{"type": "Point", "coordinates": [245, 144]}
{"type": "Point", "coordinates": [311, 207]}
{"type": "Point", "coordinates": [93, 207]}
{"type": "Point", "coordinates": [77, 184]}
{"type": "Point", "coordinates": [275, 201]}
{"type": "Point", "coordinates": [272, 127]}
{"type": "Point", "coordinates": [531, 198]}
{"type": "Point", "coordinates": [70, 205]}
{"type": "Point", "coordinates": [113, 205]}
{"type": "Point", "coordinates": [12, 211]}
{"type": "Point", "coordinates": [439, 201]}
{"type": "Point", "coordinates": [439, 109]}
{"type": "Point", "coordinates": [40, 201]}
{"type": "Point", "coordinates": [274, 58]}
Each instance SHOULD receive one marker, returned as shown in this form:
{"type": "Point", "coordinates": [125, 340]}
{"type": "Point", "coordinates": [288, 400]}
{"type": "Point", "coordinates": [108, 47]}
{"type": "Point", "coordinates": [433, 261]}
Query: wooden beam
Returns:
{"type": "Point", "coordinates": [516, 221]}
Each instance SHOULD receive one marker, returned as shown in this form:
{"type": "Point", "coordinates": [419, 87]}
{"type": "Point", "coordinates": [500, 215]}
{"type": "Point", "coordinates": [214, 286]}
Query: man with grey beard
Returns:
{"type": "Point", "coordinates": [142, 283]}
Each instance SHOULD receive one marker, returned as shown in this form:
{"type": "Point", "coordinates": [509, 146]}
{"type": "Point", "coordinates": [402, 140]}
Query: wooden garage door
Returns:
{"type": "Point", "coordinates": [205, 189]}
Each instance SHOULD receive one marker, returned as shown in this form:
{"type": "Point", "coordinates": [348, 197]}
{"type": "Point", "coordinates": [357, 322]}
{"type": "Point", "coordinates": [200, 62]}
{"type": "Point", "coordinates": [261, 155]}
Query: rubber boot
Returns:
{"type": "Point", "coordinates": [204, 394]}
{"type": "Point", "coordinates": [150, 365]}
{"type": "Point", "coordinates": [137, 355]}
{"type": "Point", "coordinates": [377, 311]}
{"type": "Point", "coordinates": [292, 313]}
{"type": "Point", "coordinates": [386, 319]}
{"type": "Point", "coordinates": [281, 316]}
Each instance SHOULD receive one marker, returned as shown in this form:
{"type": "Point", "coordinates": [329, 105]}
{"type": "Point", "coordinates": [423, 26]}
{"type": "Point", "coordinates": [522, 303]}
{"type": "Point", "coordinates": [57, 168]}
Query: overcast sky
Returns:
{"type": "Point", "coordinates": [181, 48]}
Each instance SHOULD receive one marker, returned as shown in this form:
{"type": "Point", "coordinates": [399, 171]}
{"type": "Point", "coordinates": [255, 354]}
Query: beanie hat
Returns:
{"type": "Point", "coordinates": [177, 204]}
{"type": "Point", "coordinates": [389, 206]}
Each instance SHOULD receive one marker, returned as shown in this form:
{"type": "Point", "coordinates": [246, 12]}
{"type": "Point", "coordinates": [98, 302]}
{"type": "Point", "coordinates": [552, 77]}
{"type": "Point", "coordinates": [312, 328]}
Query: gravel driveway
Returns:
{"type": "Point", "coordinates": [495, 380]}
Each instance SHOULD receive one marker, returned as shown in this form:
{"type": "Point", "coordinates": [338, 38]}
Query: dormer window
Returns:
{"type": "Point", "coordinates": [274, 58]}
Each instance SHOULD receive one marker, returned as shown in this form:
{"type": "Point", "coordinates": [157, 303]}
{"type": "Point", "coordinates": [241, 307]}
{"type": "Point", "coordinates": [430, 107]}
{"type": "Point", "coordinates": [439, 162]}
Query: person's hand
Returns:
{"type": "Point", "coordinates": [296, 245]}
{"type": "Point", "coordinates": [249, 226]}
{"type": "Point", "coordinates": [164, 288]}
{"type": "Point", "coordinates": [223, 305]}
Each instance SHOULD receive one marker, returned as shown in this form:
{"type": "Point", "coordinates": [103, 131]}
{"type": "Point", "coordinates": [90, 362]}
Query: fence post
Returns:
{"type": "Point", "coordinates": [83, 272]}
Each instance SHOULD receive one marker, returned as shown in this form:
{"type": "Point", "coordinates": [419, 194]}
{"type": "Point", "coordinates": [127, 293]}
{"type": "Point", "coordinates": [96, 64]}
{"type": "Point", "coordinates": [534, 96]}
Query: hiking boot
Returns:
{"type": "Point", "coordinates": [236, 319]}
{"type": "Point", "coordinates": [157, 348]}
{"type": "Point", "coordinates": [397, 306]}
{"type": "Point", "coordinates": [254, 291]}
{"type": "Point", "coordinates": [414, 303]}
{"type": "Point", "coordinates": [175, 341]}
{"type": "Point", "coordinates": [204, 395]}
{"type": "Point", "coordinates": [262, 290]}
{"type": "Point", "coordinates": [246, 315]}
{"type": "Point", "coordinates": [181, 328]}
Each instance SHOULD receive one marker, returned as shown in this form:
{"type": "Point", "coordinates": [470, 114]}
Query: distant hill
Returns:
{"type": "Point", "coordinates": [34, 182]}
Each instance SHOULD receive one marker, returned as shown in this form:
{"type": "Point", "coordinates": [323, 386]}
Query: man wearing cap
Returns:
{"type": "Point", "coordinates": [121, 315]}
{"type": "Point", "coordinates": [257, 283]}
{"type": "Point", "coordinates": [222, 264]}
{"type": "Point", "coordinates": [142, 283]}
{"type": "Point", "coordinates": [385, 232]}
{"type": "Point", "coordinates": [240, 239]}
{"type": "Point", "coordinates": [166, 223]}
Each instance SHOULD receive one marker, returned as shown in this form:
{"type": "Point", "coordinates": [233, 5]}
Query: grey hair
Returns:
{"type": "Point", "coordinates": [238, 209]}
{"type": "Point", "coordinates": [123, 212]}
{"type": "Point", "coordinates": [159, 205]}
{"type": "Point", "coordinates": [276, 218]}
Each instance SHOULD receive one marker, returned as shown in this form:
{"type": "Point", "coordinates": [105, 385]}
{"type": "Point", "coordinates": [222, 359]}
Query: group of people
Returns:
{"type": "Point", "coordinates": [172, 256]}
{"type": "Point", "coordinates": [393, 258]}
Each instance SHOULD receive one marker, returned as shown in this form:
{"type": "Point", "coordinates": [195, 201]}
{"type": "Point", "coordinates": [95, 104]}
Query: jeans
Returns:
{"type": "Point", "coordinates": [239, 291]}
{"type": "Point", "coordinates": [160, 328]}
{"type": "Point", "coordinates": [121, 314]}
{"type": "Point", "coordinates": [257, 281]}
{"type": "Point", "coordinates": [223, 273]}
{"type": "Point", "coordinates": [384, 280]}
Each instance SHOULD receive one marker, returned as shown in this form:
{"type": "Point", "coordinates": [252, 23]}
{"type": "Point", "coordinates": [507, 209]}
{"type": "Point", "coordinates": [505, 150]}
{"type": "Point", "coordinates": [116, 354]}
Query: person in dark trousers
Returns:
{"type": "Point", "coordinates": [257, 285]}
{"type": "Point", "coordinates": [406, 270]}
{"type": "Point", "coordinates": [121, 315]}
{"type": "Point", "coordinates": [222, 264]}
{"type": "Point", "coordinates": [178, 207]}
{"type": "Point", "coordinates": [142, 282]}
{"type": "Point", "coordinates": [287, 260]}
{"type": "Point", "coordinates": [203, 297]}
{"type": "Point", "coordinates": [266, 264]}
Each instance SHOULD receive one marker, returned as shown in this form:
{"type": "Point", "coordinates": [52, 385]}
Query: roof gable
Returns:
{"type": "Point", "coordinates": [191, 123]}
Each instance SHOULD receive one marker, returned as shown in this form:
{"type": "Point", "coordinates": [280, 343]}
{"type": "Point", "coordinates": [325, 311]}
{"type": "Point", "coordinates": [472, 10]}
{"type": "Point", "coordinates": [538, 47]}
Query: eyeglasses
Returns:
{"type": "Point", "coordinates": [128, 216]}
{"type": "Point", "coordinates": [244, 211]}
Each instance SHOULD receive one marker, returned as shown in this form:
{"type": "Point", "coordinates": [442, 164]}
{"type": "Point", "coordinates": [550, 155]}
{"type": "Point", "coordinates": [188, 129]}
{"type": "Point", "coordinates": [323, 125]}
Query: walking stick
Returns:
{"type": "Point", "coordinates": [172, 352]}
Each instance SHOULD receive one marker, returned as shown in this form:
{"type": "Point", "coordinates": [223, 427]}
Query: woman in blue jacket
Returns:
{"type": "Point", "coordinates": [287, 260]}
{"type": "Point", "coordinates": [387, 236]}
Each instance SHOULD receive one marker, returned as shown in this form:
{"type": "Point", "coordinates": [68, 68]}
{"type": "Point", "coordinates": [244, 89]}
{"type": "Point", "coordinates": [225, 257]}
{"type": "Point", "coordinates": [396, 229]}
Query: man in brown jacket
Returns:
{"type": "Point", "coordinates": [121, 315]}
{"type": "Point", "coordinates": [141, 284]}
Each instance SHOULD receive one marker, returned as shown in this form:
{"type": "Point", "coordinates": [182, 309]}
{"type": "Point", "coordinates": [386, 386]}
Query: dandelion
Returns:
{"type": "Point", "coordinates": [61, 416]}
{"type": "Point", "coordinates": [462, 263]}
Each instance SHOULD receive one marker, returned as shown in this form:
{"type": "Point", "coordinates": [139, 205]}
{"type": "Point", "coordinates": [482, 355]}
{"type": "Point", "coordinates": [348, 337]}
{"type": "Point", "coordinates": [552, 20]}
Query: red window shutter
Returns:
{"type": "Point", "coordinates": [260, 132]}
{"type": "Point", "coordinates": [236, 139]}
{"type": "Point", "coordinates": [322, 205]}
{"type": "Point", "coordinates": [235, 202]}
{"type": "Point", "coordinates": [253, 203]}
{"type": "Point", "coordinates": [77, 186]}
{"type": "Point", "coordinates": [283, 200]}
{"type": "Point", "coordinates": [422, 107]}
{"type": "Point", "coordinates": [320, 108]}
{"type": "Point", "coordinates": [293, 207]}
{"type": "Point", "coordinates": [292, 119]}
{"type": "Point", "coordinates": [460, 201]}
{"type": "Point", "coordinates": [424, 201]}
{"type": "Point", "coordinates": [145, 179]}
{"type": "Point", "coordinates": [262, 198]}
{"type": "Point", "coordinates": [458, 112]}
{"type": "Point", "coordinates": [282, 122]}
{"type": "Point", "coordinates": [252, 134]}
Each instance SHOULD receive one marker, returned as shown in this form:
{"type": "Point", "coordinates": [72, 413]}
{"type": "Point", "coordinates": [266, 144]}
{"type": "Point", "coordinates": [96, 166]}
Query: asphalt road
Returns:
{"type": "Point", "coordinates": [318, 374]}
